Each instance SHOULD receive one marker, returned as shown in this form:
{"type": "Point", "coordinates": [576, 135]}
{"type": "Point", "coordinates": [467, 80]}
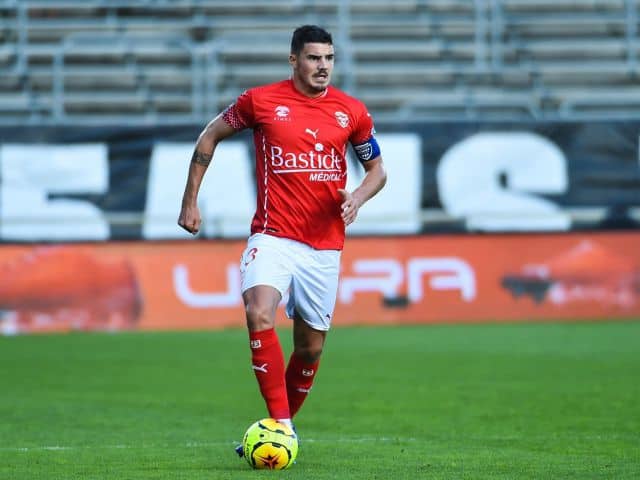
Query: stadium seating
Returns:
{"type": "Point", "coordinates": [163, 61]}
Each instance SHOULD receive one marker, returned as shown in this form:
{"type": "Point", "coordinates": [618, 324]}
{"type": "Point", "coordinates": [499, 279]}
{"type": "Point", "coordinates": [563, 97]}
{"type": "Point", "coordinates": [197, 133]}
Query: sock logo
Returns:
{"type": "Point", "coordinates": [307, 373]}
{"type": "Point", "coordinates": [303, 390]}
{"type": "Point", "coordinates": [255, 344]}
{"type": "Point", "coordinates": [261, 368]}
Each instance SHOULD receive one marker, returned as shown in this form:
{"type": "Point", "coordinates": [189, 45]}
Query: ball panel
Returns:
{"type": "Point", "coordinates": [270, 456]}
{"type": "Point", "coordinates": [273, 425]}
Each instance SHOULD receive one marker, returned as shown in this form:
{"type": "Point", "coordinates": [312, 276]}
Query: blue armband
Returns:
{"type": "Point", "coordinates": [367, 150]}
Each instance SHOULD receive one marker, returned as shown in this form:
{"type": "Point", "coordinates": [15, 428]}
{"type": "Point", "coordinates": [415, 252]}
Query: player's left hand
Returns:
{"type": "Point", "coordinates": [349, 207]}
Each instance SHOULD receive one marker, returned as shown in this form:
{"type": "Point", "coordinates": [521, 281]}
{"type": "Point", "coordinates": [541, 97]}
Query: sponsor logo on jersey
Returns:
{"type": "Point", "coordinates": [342, 118]}
{"type": "Point", "coordinates": [322, 166]}
{"type": "Point", "coordinates": [282, 113]}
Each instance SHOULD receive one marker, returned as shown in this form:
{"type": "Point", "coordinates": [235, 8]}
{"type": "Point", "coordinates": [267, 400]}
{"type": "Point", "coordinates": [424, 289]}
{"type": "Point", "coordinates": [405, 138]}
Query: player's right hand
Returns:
{"type": "Point", "coordinates": [190, 219]}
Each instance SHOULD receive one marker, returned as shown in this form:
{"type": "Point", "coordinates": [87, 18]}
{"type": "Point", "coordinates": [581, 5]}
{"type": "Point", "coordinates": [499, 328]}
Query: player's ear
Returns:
{"type": "Point", "coordinates": [292, 59]}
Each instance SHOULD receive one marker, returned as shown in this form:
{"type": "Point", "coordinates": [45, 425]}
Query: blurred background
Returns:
{"type": "Point", "coordinates": [141, 62]}
{"type": "Point", "coordinates": [510, 130]}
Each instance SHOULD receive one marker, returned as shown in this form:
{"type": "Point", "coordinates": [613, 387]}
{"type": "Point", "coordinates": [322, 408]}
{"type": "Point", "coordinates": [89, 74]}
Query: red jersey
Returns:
{"type": "Point", "coordinates": [301, 148]}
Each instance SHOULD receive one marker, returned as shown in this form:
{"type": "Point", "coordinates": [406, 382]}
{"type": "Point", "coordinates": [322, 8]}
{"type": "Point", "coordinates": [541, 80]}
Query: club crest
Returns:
{"type": "Point", "coordinates": [343, 119]}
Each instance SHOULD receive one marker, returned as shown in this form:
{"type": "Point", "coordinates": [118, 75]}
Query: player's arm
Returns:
{"type": "Point", "coordinates": [213, 133]}
{"type": "Point", "coordinates": [374, 179]}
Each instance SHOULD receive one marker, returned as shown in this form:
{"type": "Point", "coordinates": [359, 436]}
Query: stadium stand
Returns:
{"type": "Point", "coordinates": [66, 61]}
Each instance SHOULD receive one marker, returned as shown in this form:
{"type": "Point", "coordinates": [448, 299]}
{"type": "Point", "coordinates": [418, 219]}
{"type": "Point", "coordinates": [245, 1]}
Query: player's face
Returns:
{"type": "Point", "coordinates": [312, 68]}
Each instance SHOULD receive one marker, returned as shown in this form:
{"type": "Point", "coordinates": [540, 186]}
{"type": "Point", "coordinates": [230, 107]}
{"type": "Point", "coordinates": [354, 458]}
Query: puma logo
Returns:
{"type": "Point", "coordinates": [261, 368]}
{"type": "Point", "coordinates": [313, 133]}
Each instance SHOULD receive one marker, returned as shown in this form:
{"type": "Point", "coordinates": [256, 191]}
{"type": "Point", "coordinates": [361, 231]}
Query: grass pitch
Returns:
{"type": "Point", "coordinates": [526, 401]}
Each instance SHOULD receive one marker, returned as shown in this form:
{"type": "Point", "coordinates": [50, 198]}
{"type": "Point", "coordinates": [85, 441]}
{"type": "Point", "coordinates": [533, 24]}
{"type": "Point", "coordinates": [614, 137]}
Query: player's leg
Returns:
{"type": "Point", "coordinates": [303, 363]}
{"type": "Point", "coordinates": [311, 302]}
{"type": "Point", "coordinates": [267, 359]}
{"type": "Point", "coordinates": [265, 276]}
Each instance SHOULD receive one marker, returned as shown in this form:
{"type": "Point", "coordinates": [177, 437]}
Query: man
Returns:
{"type": "Point", "coordinates": [301, 128]}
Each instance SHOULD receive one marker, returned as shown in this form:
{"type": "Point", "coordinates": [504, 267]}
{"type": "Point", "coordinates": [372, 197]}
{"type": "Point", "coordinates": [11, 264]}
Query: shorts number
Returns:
{"type": "Point", "coordinates": [250, 256]}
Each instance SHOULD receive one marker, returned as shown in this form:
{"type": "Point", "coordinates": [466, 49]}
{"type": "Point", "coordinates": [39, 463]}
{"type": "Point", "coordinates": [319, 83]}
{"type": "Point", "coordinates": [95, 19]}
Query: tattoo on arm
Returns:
{"type": "Point", "coordinates": [201, 158]}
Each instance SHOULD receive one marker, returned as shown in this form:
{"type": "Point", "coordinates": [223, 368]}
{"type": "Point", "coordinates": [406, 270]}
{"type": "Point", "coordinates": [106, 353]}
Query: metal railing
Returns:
{"type": "Point", "coordinates": [490, 24]}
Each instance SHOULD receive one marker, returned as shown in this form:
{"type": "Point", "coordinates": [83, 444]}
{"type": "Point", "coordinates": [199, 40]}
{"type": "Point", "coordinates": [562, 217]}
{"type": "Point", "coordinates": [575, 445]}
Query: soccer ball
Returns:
{"type": "Point", "coordinates": [268, 444]}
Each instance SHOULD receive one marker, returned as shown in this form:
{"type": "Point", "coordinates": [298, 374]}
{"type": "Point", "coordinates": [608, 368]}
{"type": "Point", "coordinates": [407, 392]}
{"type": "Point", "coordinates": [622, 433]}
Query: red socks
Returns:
{"type": "Point", "coordinates": [299, 378]}
{"type": "Point", "coordinates": [283, 393]}
{"type": "Point", "coordinates": [267, 362]}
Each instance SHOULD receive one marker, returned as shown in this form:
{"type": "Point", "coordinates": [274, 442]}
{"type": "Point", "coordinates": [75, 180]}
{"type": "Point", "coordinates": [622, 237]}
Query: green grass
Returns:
{"type": "Point", "coordinates": [528, 401]}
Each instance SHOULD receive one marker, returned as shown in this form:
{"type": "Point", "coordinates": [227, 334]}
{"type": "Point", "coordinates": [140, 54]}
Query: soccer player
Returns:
{"type": "Point", "coordinates": [301, 128]}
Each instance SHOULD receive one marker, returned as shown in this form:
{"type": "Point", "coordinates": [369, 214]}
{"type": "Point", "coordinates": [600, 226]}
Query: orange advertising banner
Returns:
{"type": "Point", "coordinates": [385, 280]}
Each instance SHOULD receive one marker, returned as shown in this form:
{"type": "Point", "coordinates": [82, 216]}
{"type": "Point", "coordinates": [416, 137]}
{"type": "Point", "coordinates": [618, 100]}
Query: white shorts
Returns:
{"type": "Point", "coordinates": [310, 276]}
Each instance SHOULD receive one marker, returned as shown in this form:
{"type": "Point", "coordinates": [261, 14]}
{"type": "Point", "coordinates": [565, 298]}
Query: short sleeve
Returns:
{"type": "Point", "coordinates": [240, 113]}
{"type": "Point", "coordinates": [364, 128]}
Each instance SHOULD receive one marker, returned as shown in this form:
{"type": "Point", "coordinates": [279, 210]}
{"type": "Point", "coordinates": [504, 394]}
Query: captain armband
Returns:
{"type": "Point", "coordinates": [368, 150]}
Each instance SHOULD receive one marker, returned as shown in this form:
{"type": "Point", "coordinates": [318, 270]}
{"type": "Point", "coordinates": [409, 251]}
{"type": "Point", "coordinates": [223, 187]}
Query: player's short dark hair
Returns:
{"type": "Point", "coordinates": [309, 34]}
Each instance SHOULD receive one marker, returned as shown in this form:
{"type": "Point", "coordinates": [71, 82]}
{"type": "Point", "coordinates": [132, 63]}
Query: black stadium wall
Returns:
{"type": "Point", "coordinates": [98, 183]}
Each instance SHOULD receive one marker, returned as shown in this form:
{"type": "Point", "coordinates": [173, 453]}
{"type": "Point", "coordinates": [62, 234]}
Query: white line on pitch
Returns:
{"type": "Point", "coordinates": [194, 444]}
